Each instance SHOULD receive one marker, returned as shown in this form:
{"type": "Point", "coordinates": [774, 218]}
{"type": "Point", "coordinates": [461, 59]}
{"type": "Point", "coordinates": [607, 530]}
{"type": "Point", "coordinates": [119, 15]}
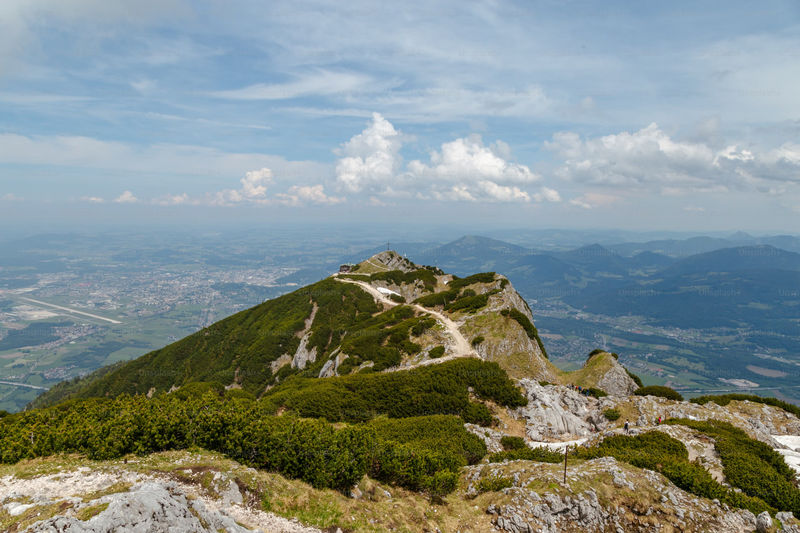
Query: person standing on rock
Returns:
{"type": "Point", "coordinates": [627, 428]}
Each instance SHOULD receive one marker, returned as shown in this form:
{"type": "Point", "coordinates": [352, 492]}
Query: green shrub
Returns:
{"type": "Point", "coordinates": [658, 451]}
{"type": "Point", "coordinates": [469, 304]}
{"type": "Point", "coordinates": [426, 390]}
{"type": "Point", "coordinates": [438, 298]}
{"type": "Point", "coordinates": [477, 413]}
{"type": "Point", "coordinates": [441, 483]}
{"type": "Point", "coordinates": [423, 324]}
{"type": "Point", "coordinates": [660, 391]}
{"type": "Point", "coordinates": [750, 465]}
{"type": "Point", "coordinates": [481, 277]}
{"type": "Point", "coordinates": [476, 341]}
{"type": "Point", "coordinates": [611, 414]}
{"type": "Point", "coordinates": [512, 443]}
{"type": "Point", "coordinates": [494, 483]}
{"type": "Point", "coordinates": [594, 352]}
{"type": "Point", "coordinates": [725, 399]}
{"type": "Point", "coordinates": [443, 433]}
{"type": "Point", "coordinates": [595, 392]}
{"type": "Point", "coordinates": [398, 277]}
{"type": "Point", "coordinates": [397, 298]}
{"type": "Point", "coordinates": [541, 455]}
{"type": "Point", "coordinates": [527, 325]}
{"type": "Point", "coordinates": [636, 379]}
{"type": "Point", "coordinates": [436, 352]}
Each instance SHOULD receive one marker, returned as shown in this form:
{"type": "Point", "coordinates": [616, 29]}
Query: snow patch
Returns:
{"type": "Point", "coordinates": [384, 290]}
{"type": "Point", "coordinates": [791, 455]}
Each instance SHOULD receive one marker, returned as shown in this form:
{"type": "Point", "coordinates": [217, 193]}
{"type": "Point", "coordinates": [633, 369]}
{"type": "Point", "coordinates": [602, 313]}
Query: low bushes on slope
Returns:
{"type": "Point", "coordinates": [527, 325]}
{"type": "Point", "coordinates": [420, 454]}
{"type": "Point", "coordinates": [470, 303]}
{"type": "Point", "coordinates": [660, 391]}
{"type": "Point", "coordinates": [242, 345]}
{"type": "Point", "coordinates": [381, 339]}
{"type": "Point", "coordinates": [725, 399]}
{"type": "Point", "coordinates": [428, 390]}
{"type": "Point", "coordinates": [751, 465]}
{"type": "Point", "coordinates": [658, 451]}
{"type": "Point", "coordinates": [541, 455]}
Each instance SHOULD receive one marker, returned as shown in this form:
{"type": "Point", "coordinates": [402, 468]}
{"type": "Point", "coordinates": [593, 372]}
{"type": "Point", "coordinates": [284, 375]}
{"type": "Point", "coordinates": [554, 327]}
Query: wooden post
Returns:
{"type": "Point", "coordinates": [566, 448]}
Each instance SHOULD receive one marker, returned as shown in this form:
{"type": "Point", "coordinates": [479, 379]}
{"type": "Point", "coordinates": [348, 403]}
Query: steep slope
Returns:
{"type": "Point", "coordinates": [387, 314]}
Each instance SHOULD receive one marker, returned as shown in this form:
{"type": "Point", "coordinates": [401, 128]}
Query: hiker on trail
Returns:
{"type": "Point", "coordinates": [659, 420]}
{"type": "Point", "coordinates": [627, 430]}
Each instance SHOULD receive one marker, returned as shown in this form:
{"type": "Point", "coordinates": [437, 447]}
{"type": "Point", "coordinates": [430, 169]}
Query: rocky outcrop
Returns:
{"type": "Point", "coordinates": [558, 412]}
{"type": "Point", "coordinates": [149, 506]}
{"type": "Point", "coordinates": [758, 420]}
{"type": "Point", "coordinates": [616, 381]}
{"type": "Point", "coordinates": [391, 260]}
{"type": "Point", "coordinates": [109, 500]}
{"type": "Point", "coordinates": [603, 371]}
{"type": "Point", "coordinates": [506, 341]}
{"type": "Point", "coordinates": [641, 500]}
{"type": "Point", "coordinates": [303, 355]}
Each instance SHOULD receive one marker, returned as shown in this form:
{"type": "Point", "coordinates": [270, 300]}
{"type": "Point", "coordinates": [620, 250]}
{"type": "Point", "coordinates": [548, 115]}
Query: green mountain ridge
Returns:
{"type": "Point", "coordinates": [334, 327]}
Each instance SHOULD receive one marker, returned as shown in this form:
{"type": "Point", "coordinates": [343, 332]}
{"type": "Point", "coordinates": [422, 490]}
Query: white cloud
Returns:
{"type": "Point", "coordinates": [10, 197]}
{"type": "Point", "coordinates": [694, 209]}
{"type": "Point", "coordinates": [20, 19]}
{"type": "Point", "coordinates": [462, 170]}
{"type": "Point", "coordinates": [310, 194]}
{"type": "Point", "coordinates": [592, 200]}
{"type": "Point", "coordinates": [649, 159]}
{"type": "Point", "coordinates": [126, 197]}
{"type": "Point", "coordinates": [163, 159]}
{"type": "Point", "coordinates": [469, 159]}
{"type": "Point", "coordinates": [93, 199]}
{"type": "Point", "coordinates": [318, 83]}
{"type": "Point", "coordinates": [173, 199]}
{"type": "Point", "coordinates": [371, 158]}
{"type": "Point", "coordinates": [253, 189]}
{"type": "Point", "coordinates": [254, 183]}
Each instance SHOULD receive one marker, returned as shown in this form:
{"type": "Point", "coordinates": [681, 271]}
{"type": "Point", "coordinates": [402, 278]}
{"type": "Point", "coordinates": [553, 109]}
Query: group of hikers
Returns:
{"type": "Point", "coordinates": [581, 390]}
{"type": "Point", "coordinates": [627, 426]}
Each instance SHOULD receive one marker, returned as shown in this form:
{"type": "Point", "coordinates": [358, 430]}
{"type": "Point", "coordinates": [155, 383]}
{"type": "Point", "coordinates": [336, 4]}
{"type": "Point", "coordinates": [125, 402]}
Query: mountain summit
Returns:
{"type": "Point", "coordinates": [385, 314]}
{"type": "Point", "coordinates": [391, 396]}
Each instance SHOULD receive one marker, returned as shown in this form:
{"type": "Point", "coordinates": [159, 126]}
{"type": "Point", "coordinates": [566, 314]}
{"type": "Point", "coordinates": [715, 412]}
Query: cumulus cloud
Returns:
{"type": "Point", "coordinates": [651, 159]}
{"type": "Point", "coordinates": [371, 158]}
{"type": "Point", "coordinates": [308, 194]}
{"type": "Point", "coordinates": [464, 169]}
{"type": "Point", "coordinates": [126, 197]}
{"type": "Point", "coordinates": [93, 199]}
{"type": "Point", "coordinates": [253, 189]}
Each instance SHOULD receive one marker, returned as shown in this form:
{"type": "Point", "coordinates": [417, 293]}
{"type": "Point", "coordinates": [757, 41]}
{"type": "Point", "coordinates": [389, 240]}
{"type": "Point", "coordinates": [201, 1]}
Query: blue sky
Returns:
{"type": "Point", "coordinates": [681, 115]}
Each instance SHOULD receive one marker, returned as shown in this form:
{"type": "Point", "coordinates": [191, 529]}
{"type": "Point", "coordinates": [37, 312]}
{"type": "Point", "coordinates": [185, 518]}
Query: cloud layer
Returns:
{"type": "Point", "coordinates": [649, 160]}
{"type": "Point", "coordinates": [464, 169]}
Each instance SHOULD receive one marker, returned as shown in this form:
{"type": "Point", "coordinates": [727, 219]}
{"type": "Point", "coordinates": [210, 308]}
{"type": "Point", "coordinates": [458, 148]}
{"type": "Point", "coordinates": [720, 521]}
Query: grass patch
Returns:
{"type": "Point", "coordinates": [88, 512]}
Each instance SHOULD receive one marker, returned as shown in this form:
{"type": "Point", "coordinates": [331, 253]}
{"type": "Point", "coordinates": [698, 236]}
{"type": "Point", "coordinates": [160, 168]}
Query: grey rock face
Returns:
{"type": "Point", "coordinates": [149, 507]}
{"type": "Point", "coordinates": [555, 411]}
{"type": "Point", "coordinates": [763, 522]}
{"type": "Point", "coordinates": [303, 355]}
{"type": "Point", "coordinates": [616, 381]}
